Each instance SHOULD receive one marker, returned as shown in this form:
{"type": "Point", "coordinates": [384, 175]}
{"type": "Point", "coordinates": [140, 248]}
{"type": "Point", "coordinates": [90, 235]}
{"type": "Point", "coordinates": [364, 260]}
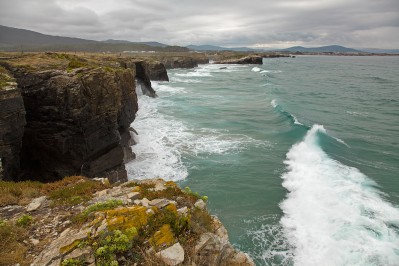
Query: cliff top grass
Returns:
{"type": "Point", "coordinates": [5, 78]}
{"type": "Point", "coordinates": [60, 61]}
{"type": "Point", "coordinates": [70, 190]}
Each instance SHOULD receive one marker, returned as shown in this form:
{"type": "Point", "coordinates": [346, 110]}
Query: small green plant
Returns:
{"type": "Point", "coordinates": [188, 191]}
{"type": "Point", "coordinates": [24, 220]}
{"type": "Point", "coordinates": [109, 246]}
{"type": "Point", "coordinates": [72, 262]}
{"type": "Point", "coordinates": [100, 206]}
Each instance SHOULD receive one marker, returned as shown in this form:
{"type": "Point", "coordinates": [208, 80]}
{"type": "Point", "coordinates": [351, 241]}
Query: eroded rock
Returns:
{"type": "Point", "coordinates": [172, 255]}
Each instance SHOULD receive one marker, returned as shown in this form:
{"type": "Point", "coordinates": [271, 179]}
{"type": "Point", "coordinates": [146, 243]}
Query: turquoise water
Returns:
{"type": "Point", "coordinates": [299, 156]}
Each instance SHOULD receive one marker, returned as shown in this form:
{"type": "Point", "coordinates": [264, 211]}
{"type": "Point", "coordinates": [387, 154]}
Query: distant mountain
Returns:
{"type": "Point", "coordinates": [322, 49]}
{"type": "Point", "coordinates": [155, 44]}
{"type": "Point", "coordinates": [13, 36]}
{"type": "Point", "coordinates": [13, 39]}
{"type": "Point", "coordinates": [207, 47]}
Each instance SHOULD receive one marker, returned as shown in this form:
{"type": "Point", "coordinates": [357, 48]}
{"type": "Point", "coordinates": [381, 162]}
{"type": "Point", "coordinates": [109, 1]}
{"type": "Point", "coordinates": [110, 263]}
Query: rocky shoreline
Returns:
{"type": "Point", "coordinates": [71, 115]}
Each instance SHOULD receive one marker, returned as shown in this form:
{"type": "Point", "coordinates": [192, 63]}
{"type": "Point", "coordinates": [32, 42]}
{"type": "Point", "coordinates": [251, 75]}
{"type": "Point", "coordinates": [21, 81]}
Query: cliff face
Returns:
{"type": "Point", "coordinates": [242, 60]}
{"type": "Point", "coordinates": [78, 119]}
{"type": "Point", "coordinates": [12, 122]}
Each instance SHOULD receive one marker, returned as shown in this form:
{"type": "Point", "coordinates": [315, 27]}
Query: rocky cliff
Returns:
{"type": "Point", "coordinates": [78, 114]}
{"type": "Point", "coordinates": [12, 122]}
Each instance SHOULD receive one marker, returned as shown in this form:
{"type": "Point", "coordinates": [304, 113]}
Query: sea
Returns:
{"type": "Point", "coordinates": [299, 157]}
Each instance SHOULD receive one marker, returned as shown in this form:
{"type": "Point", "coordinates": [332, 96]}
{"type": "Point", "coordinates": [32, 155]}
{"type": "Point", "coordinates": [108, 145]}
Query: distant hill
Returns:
{"type": "Point", "coordinates": [207, 47]}
{"type": "Point", "coordinates": [322, 49]}
{"type": "Point", "coordinates": [155, 44]}
{"type": "Point", "coordinates": [13, 39]}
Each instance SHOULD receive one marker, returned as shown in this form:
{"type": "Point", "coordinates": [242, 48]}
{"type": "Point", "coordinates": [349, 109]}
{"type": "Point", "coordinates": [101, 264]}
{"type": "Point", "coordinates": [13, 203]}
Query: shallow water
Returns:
{"type": "Point", "coordinates": [299, 156]}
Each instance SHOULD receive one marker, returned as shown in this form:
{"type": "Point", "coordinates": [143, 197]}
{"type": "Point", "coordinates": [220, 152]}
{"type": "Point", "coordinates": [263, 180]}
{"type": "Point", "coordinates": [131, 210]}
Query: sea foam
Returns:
{"type": "Point", "coordinates": [333, 214]}
{"type": "Point", "coordinates": [163, 141]}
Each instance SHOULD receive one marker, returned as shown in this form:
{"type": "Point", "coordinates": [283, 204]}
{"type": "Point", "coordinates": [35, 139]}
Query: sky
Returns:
{"type": "Point", "coordinates": [251, 23]}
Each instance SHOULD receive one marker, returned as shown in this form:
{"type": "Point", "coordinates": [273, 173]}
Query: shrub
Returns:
{"type": "Point", "coordinates": [24, 220]}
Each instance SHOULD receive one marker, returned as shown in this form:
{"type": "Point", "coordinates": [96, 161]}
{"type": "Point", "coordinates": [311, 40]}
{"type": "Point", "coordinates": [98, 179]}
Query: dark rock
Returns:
{"type": "Point", "coordinates": [183, 62]}
{"type": "Point", "coordinates": [244, 60]}
{"type": "Point", "coordinates": [12, 122]}
{"type": "Point", "coordinates": [157, 71]}
{"type": "Point", "coordinates": [77, 123]}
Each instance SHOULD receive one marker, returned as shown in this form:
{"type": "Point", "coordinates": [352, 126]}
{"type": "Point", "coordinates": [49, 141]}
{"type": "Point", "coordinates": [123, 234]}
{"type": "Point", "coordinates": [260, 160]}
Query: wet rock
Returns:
{"type": "Point", "coordinates": [172, 255]}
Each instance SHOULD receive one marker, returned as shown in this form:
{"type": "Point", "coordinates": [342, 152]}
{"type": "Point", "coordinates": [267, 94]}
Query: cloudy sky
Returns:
{"type": "Point", "coordinates": [255, 23]}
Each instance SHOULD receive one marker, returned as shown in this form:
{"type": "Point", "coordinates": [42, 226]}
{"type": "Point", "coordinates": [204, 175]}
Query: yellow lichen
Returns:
{"type": "Point", "coordinates": [136, 189]}
{"type": "Point", "coordinates": [163, 237]}
{"type": "Point", "coordinates": [171, 207]}
{"type": "Point", "coordinates": [127, 217]}
{"type": "Point", "coordinates": [70, 247]}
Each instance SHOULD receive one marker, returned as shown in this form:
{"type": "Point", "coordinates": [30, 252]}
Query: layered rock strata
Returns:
{"type": "Point", "coordinates": [78, 114]}
{"type": "Point", "coordinates": [12, 122]}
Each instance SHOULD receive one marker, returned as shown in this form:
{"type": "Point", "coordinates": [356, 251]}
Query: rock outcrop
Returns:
{"type": "Point", "coordinates": [149, 222]}
{"type": "Point", "coordinates": [183, 62]}
{"type": "Point", "coordinates": [12, 122]}
{"type": "Point", "coordinates": [243, 60]}
{"type": "Point", "coordinates": [78, 114]}
{"type": "Point", "coordinates": [157, 71]}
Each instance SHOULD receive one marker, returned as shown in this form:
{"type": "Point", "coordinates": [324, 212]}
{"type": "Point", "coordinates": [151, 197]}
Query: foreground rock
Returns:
{"type": "Point", "coordinates": [243, 60]}
{"type": "Point", "coordinates": [113, 229]}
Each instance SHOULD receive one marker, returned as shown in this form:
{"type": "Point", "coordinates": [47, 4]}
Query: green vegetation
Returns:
{"type": "Point", "coordinates": [101, 206]}
{"type": "Point", "coordinates": [109, 245]}
{"type": "Point", "coordinates": [73, 262]}
{"type": "Point", "coordinates": [5, 77]}
{"type": "Point", "coordinates": [24, 220]}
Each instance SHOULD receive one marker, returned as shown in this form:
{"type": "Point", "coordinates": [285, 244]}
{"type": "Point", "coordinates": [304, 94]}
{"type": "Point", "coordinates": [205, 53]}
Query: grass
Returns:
{"type": "Point", "coordinates": [5, 77]}
{"type": "Point", "coordinates": [12, 248]}
{"type": "Point", "coordinates": [68, 191]}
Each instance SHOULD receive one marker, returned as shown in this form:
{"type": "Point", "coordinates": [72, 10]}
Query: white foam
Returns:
{"type": "Point", "coordinates": [256, 69]}
{"type": "Point", "coordinates": [185, 80]}
{"type": "Point", "coordinates": [167, 88]}
{"type": "Point", "coordinates": [274, 103]}
{"type": "Point", "coordinates": [163, 141]}
{"type": "Point", "coordinates": [333, 214]}
{"type": "Point", "coordinates": [194, 74]}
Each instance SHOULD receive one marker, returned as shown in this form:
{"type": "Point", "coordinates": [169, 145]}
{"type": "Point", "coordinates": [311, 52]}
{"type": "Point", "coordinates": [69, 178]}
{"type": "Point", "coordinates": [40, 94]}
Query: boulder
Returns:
{"type": "Point", "coordinates": [35, 203]}
{"type": "Point", "coordinates": [173, 255]}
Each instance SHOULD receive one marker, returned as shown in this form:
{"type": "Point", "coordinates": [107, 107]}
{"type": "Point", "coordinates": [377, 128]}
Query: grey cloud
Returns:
{"type": "Point", "coordinates": [240, 23]}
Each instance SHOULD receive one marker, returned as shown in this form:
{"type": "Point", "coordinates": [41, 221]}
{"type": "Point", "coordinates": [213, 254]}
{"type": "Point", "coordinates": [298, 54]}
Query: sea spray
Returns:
{"type": "Point", "coordinates": [333, 214]}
